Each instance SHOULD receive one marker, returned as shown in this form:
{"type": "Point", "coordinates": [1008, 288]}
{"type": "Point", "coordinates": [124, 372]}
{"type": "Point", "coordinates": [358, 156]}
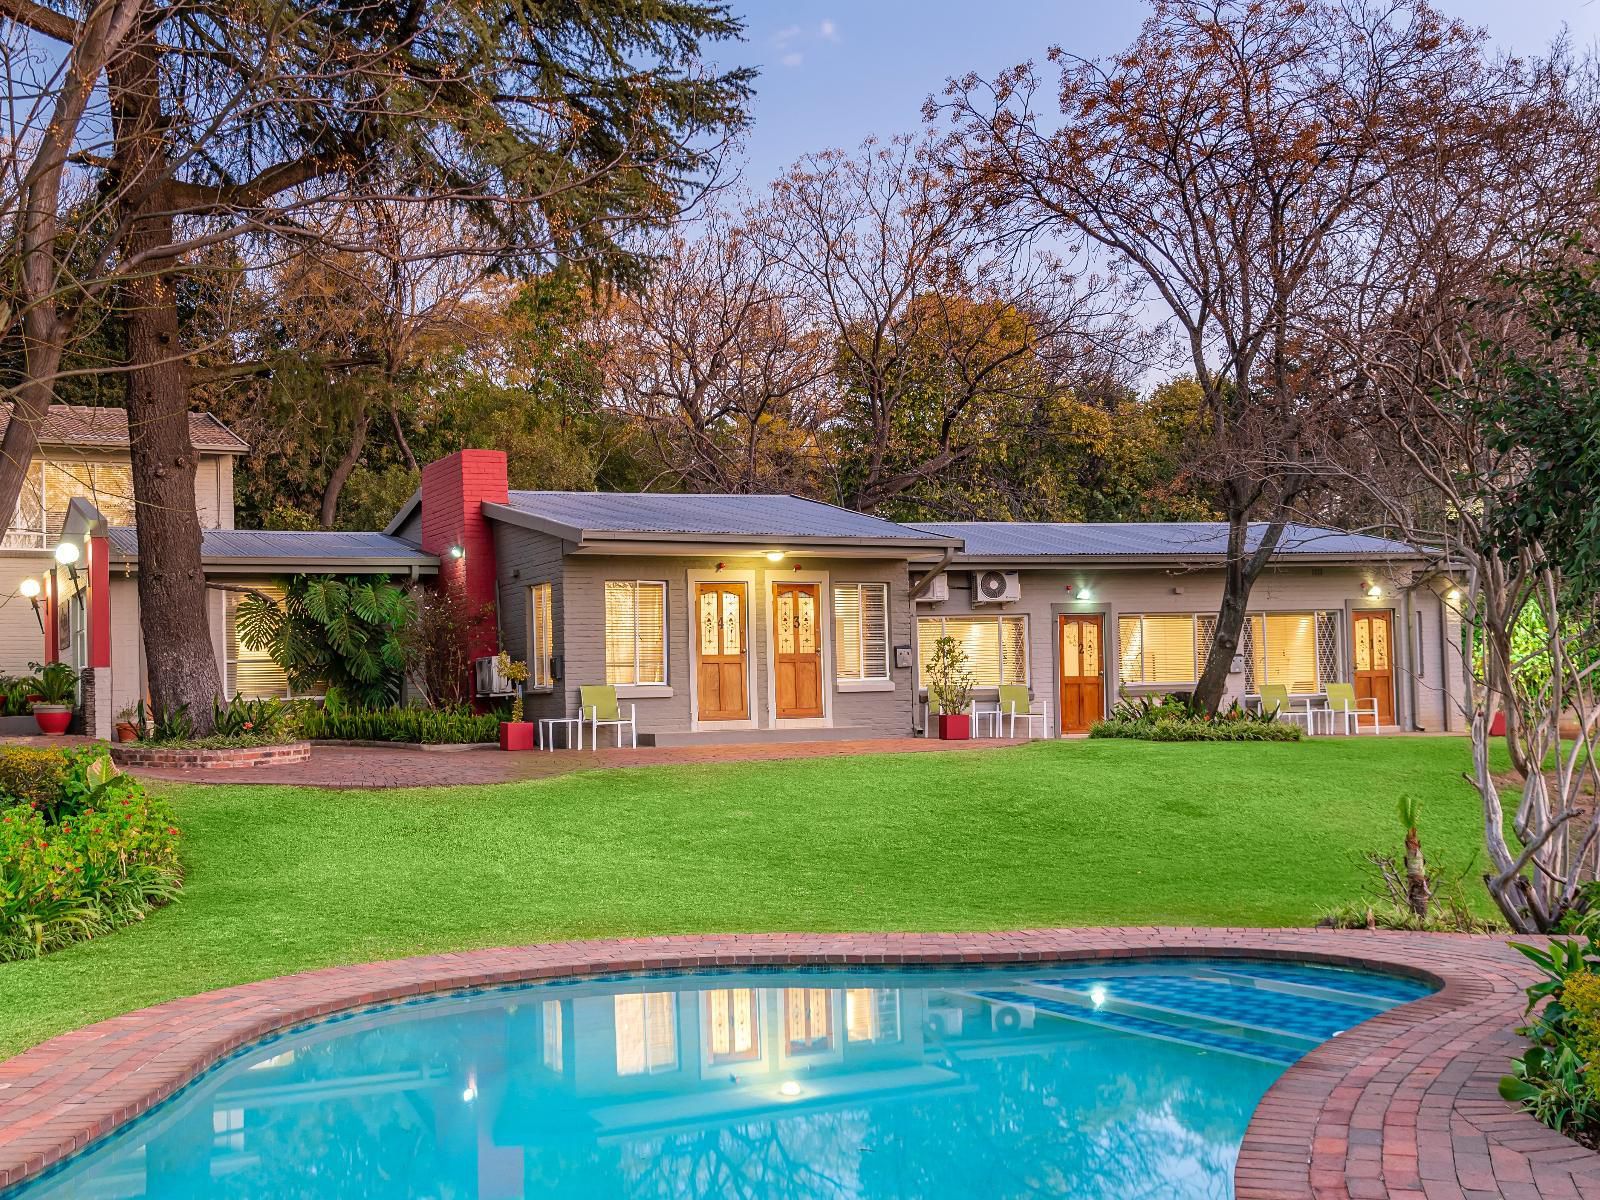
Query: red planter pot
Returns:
{"type": "Point", "coordinates": [955, 727]}
{"type": "Point", "coordinates": [53, 719]}
{"type": "Point", "coordinates": [516, 735]}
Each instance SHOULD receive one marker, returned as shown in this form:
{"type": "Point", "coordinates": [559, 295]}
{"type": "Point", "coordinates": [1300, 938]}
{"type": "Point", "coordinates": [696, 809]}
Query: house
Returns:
{"type": "Point", "coordinates": [731, 618]}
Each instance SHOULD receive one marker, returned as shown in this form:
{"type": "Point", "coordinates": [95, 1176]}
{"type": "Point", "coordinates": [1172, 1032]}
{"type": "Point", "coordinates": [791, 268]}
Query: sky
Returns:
{"type": "Point", "coordinates": [833, 73]}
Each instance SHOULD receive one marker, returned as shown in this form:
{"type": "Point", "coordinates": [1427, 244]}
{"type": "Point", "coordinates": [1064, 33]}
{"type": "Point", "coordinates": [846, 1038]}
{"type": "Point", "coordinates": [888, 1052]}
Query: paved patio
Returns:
{"type": "Point", "coordinates": [390, 767]}
{"type": "Point", "coordinates": [1402, 1106]}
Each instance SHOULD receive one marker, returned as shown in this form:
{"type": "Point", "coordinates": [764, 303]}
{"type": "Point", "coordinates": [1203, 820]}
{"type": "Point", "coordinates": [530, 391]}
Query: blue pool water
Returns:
{"type": "Point", "coordinates": [1105, 1081]}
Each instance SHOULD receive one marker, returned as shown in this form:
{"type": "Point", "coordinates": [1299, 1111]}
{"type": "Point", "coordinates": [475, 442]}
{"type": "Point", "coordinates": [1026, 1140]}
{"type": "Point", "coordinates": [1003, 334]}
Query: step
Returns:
{"type": "Point", "coordinates": [734, 737]}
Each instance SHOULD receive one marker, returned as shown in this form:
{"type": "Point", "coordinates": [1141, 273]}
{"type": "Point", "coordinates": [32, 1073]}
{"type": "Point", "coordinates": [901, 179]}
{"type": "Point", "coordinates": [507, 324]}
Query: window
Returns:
{"type": "Point", "coordinates": [1299, 650]}
{"type": "Point", "coordinates": [49, 487]}
{"type": "Point", "coordinates": [647, 1032]}
{"type": "Point", "coordinates": [1157, 649]}
{"type": "Point", "coordinates": [636, 632]}
{"type": "Point", "coordinates": [734, 1026]}
{"type": "Point", "coordinates": [872, 1014]}
{"type": "Point", "coordinates": [554, 1043]}
{"type": "Point", "coordinates": [861, 631]}
{"type": "Point", "coordinates": [807, 1020]}
{"type": "Point", "coordinates": [997, 647]}
{"type": "Point", "coordinates": [541, 636]}
{"type": "Point", "coordinates": [251, 673]}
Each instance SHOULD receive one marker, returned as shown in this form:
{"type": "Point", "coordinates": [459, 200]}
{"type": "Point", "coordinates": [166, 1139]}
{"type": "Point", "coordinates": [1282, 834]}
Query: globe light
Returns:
{"type": "Point", "coordinates": [66, 553]}
{"type": "Point", "coordinates": [774, 556]}
{"type": "Point", "coordinates": [29, 588]}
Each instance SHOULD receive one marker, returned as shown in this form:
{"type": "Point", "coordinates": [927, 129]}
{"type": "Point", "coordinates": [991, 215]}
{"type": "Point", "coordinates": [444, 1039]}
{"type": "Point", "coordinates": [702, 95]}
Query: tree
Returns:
{"type": "Point", "coordinates": [1232, 161]}
{"type": "Point", "coordinates": [559, 130]}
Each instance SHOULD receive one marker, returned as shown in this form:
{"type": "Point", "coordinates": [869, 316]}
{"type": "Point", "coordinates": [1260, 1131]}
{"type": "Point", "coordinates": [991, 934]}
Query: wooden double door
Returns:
{"type": "Point", "coordinates": [722, 650]}
{"type": "Point", "coordinates": [1372, 660]}
{"type": "Point", "coordinates": [1083, 679]}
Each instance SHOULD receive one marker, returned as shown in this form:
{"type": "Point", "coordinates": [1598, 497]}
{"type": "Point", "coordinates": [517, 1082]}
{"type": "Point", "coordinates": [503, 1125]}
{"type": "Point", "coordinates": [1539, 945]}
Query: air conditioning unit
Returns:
{"type": "Point", "coordinates": [996, 587]}
{"type": "Point", "coordinates": [938, 590]}
{"type": "Point", "coordinates": [487, 679]}
{"type": "Point", "coordinates": [943, 1021]}
{"type": "Point", "coordinates": [1010, 1018]}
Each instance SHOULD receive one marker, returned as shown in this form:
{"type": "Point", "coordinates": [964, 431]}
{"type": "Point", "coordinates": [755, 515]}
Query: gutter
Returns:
{"type": "Point", "coordinates": [921, 586]}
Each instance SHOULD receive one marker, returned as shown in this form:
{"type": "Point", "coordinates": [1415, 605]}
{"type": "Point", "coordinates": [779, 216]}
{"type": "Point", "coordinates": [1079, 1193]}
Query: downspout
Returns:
{"type": "Point", "coordinates": [1444, 661]}
{"type": "Point", "coordinates": [921, 586]}
{"type": "Point", "coordinates": [1413, 652]}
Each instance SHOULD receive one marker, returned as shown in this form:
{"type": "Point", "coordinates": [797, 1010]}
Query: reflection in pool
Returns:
{"type": "Point", "coordinates": [1133, 1079]}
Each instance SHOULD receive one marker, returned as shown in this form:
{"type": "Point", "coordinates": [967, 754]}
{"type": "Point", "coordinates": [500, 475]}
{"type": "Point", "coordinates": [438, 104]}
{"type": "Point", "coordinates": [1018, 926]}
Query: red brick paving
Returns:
{"type": "Point", "coordinates": [388, 767]}
{"type": "Point", "coordinates": [1402, 1107]}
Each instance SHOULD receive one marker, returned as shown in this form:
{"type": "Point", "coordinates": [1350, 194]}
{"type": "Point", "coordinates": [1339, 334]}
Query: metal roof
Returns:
{"type": "Point", "coordinates": [649, 515]}
{"type": "Point", "coordinates": [1158, 540]}
{"type": "Point", "coordinates": [91, 427]}
{"type": "Point", "coordinates": [331, 549]}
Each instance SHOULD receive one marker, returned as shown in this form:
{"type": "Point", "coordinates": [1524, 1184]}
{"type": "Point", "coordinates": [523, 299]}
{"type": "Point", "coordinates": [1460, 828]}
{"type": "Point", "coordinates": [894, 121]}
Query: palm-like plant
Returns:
{"type": "Point", "coordinates": [342, 634]}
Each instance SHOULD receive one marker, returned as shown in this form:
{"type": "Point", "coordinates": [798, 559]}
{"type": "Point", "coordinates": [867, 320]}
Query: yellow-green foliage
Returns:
{"type": "Point", "coordinates": [1580, 996]}
{"type": "Point", "coordinates": [31, 776]}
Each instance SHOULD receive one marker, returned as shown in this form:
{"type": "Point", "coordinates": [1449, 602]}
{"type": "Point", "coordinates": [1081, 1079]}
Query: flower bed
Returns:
{"type": "Point", "coordinates": [1171, 719]}
{"type": "Point", "coordinates": [83, 850]}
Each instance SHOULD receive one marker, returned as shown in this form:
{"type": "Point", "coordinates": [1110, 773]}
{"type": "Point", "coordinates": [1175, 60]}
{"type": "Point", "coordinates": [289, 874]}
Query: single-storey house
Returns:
{"type": "Point", "coordinates": [730, 618]}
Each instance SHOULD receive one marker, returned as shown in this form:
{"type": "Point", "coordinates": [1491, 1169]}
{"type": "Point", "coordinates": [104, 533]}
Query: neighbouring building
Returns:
{"type": "Point", "coordinates": [731, 618]}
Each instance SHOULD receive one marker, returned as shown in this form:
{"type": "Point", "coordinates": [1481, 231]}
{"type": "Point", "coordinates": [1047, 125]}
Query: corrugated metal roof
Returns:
{"type": "Point", "coordinates": [92, 427]}
{"type": "Point", "coordinates": [758, 516]}
{"type": "Point", "coordinates": [1171, 539]}
{"type": "Point", "coordinates": [287, 546]}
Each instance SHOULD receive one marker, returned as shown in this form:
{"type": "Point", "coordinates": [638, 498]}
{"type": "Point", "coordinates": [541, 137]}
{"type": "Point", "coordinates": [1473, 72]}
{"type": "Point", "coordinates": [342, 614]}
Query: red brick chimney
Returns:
{"type": "Point", "coordinates": [454, 490]}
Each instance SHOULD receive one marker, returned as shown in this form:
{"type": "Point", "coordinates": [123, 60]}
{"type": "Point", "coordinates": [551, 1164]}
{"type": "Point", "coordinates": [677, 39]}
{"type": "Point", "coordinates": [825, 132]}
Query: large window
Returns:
{"type": "Point", "coordinates": [733, 1022]}
{"type": "Point", "coordinates": [1157, 648]}
{"type": "Point", "coordinates": [251, 673]}
{"type": "Point", "coordinates": [636, 631]}
{"type": "Point", "coordinates": [647, 1032]}
{"type": "Point", "coordinates": [541, 636]}
{"type": "Point", "coordinates": [997, 647]}
{"type": "Point", "coordinates": [861, 631]}
{"type": "Point", "coordinates": [49, 487]}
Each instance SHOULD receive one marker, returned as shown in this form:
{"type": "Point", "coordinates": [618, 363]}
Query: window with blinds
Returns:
{"type": "Point", "coordinates": [636, 631]}
{"type": "Point", "coordinates": [541, 636]}
{"type": "Point", "coordinates": [646, 1032]}
{"type": "Point", "coordinates": [861, 631]}
{"type": "Point", "coordinates": [251, 673]}
{"type": "Point", "coordinates": [1300, 650]}
{"type": "Point", "coordinates": [1158, 648]}
{"type": "Point", "coordinates": [997, 647]}
{"type": "Point", "coordinates": [49, 487]}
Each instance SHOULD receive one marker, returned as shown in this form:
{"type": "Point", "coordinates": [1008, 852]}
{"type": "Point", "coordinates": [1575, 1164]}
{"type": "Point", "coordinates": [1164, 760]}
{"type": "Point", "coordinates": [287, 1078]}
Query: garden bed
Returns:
{"type": "Point", "coordinates": [133, 754]}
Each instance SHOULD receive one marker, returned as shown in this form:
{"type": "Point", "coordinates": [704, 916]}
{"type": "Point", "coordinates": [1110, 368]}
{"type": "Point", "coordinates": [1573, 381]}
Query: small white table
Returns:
{"type": "Point", "coordinates": [547, 729]}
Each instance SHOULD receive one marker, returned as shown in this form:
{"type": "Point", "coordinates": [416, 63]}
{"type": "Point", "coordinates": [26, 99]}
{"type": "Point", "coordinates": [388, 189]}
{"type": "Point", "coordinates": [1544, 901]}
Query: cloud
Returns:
{"type": "Point", "coordinates": [793, 60]}
{"type": "Point", "coordinates": [786, 35]}
{"type": "Point", "coordinates": [828, 31]}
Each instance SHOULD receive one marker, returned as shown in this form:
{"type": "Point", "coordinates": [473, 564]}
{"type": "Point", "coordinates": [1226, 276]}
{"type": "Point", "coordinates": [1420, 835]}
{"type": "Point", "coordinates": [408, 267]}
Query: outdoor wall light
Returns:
{"type": "Point", "coordinates": [774, 556]}
{"type": "Point", "coordinates": [1453, 595]}
{"type": "Point", "coordinates": [457, 551]}
{"type": "Point", "coordinates": [30, 589]}
{"type": "Point", "coordinates": [1374, 591]}
{"type": "Point", "coordinates": [789, 1088]}
{"type": "Point", "coordinates": [1084, 593]}
{"type": "Point", "coordinates": [66, 553]}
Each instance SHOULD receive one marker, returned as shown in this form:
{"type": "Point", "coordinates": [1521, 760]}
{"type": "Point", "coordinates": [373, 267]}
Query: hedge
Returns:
{"type": "Point", "coordinates": [428, 726]}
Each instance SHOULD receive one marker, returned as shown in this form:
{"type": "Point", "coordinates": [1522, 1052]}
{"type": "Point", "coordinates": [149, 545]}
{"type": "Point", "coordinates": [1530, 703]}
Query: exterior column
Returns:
{"type": "Point", "coordinates": [96, 683]}
{"type": "Point", "coordinates": [52, 604]}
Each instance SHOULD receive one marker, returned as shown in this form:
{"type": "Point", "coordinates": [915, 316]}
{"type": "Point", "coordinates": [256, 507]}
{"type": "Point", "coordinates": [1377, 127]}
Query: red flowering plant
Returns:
{"type": "Point", "coordinates": [102, 855]}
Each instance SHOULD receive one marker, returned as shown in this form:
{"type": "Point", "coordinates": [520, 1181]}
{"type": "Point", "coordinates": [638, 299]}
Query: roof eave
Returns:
{"type": "Point", "coordinates": [1022, 561]}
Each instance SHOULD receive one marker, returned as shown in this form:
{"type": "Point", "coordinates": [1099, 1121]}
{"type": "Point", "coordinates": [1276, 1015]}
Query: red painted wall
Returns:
{"type": "Point", "coordinates": [454, 490]}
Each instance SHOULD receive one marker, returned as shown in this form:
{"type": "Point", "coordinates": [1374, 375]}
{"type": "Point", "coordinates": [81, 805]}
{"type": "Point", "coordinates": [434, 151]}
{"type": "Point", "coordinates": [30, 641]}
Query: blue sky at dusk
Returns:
{"type": "Point", "coordinates": [833, 73]}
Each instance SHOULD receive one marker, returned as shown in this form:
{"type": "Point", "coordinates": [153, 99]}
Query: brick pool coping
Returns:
{"type": "Point", "coordinates": [1402, 1106]}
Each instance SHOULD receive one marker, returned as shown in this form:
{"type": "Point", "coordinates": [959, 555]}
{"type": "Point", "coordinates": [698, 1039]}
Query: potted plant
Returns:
{"type": "Point", "coordinates": [55, 692]}
{"type": "Point", "coordinates": [515, 734]}
{"type": "Point", "coordinates": [950, 688]}
{"type": "Point", "coordinates": [129, 721]}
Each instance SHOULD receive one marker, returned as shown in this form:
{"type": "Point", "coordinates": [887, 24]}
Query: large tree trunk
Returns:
{"type": "Point", "coordinates": [179, 653]}
{"type": "Point", "coordinates": [1240, 573]}
{"type": "Point", "coordinates": [344, 468]}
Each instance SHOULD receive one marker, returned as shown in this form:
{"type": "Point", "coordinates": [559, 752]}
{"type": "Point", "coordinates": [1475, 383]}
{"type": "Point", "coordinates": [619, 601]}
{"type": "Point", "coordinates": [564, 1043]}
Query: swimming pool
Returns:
{"type": "Point", "coordinates": [1112, 1079]}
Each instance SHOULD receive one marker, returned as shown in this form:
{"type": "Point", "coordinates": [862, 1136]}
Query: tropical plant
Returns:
{"type": "Point", "coordinates": [1553, 1079]}
{"type": "Point", "coordinates": [949, 678]}
{"type": "Point", "coordinates": [335, 633]}
{"type": "Point", "coordinates": [54, 683]}
{"type": "Point", "coordinates": [426, 726]}
{"type": "Point", "coordinates": [15, 691]}
{"type": "Point", "coordinates": [256, 721]}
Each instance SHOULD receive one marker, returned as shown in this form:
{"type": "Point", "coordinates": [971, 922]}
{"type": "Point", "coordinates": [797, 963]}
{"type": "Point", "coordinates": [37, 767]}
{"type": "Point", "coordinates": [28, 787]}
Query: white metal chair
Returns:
{"type": "Point", "coordinates": [1342, 703]}
{"type": "Point", "coordinates": [599, 705]}
{"type": "Point", "coordinates": [1275, 700]}
{"type": "Point", "coordinates": [1013, 705]}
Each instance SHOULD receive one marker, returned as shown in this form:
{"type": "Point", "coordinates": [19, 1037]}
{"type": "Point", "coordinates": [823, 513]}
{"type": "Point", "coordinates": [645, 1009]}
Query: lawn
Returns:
{"type": "Point", "coordinates": [1055, 833]}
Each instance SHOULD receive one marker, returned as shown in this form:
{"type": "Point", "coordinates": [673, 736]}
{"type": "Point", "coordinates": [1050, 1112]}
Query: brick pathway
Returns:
{"type": "Point", "coordinates": [1402, 1106]}
{"type": "Point", "coordinates": [387, 767]}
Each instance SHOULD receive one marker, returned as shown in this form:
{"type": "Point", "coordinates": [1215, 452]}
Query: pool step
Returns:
{"type": "Point", "coordinates": [1378, 991]}
{"type": "Point", "coordinates": [1242, 1007]}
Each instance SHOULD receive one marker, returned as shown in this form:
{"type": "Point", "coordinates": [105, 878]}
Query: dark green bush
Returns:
{"type": "Point", "coordinates": [1554, 1078]}
{"type": "Point", "coordinates": [14, 693]}
{"type": "Point", "coordinates": [428, 726]}
{"type": "Point", "coordinates": [1173, 718]}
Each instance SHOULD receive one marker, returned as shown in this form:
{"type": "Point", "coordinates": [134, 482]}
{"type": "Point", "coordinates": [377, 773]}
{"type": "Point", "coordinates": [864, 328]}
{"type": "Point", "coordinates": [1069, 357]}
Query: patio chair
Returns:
{"type": "Point", "coordinates": [1275, 700]}
{"type": "Point", "coordinates": [1014, 704]}
{"type": "Point", "coordinates": [1342, 703]}
{"type": "Point", "coordinates": [599, 705]}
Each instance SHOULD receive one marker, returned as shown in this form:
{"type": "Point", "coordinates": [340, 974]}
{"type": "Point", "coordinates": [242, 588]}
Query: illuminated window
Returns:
{"type": "Point", "coordinates": [861, 630]}
{"type": "Point", "coordinates": [734, 1026]}
{"type": "Point", "coordinates": [647, 1032]}
{"type": "Point", "coordinates": [553, 1036]}
{"type": "Point", "coordinates": [251, 673]}
{"type": "Point", "coordinates": [541, 636]}
{"type": "Point", "coordinates": [997, 647]}
{"type": "Point", "coordinates": [636, 632]}
{"type": "Point", "coordinates": [807, 1020]}
{"type": "Point", "coordinates": [1157, 649]}
{"type": "Point", "coordinates": [49, 487]}
{"type": "Point", "coordinates": [872, 1014]}
{"type": "Point", "coordinates": [1299, 650]}
{"type": "Point", "coordinates": [227, 1128]}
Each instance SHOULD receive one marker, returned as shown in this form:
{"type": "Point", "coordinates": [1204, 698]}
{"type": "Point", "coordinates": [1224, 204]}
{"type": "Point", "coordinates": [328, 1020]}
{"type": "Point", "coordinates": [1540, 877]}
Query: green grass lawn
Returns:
{"type": "Point", "coordinates": [1055, 833]}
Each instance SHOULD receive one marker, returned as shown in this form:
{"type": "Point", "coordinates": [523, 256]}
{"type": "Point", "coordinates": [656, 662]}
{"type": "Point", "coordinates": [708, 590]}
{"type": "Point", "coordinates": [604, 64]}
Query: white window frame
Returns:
{"type": "Point", "coordinates": [29, 537]}
{"type": "Point", "coordinates": [540, 677]}
{"type": "Point", "coordinates": [666, 631]}
{"type": "Point", "coordinates": [864, 681]}
{"type": "Point", "coordinates": [999, 619]}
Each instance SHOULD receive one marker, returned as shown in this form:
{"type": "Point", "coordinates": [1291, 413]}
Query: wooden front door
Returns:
{"type": "Point", "coordinates": [1372, 657]}
{"type": "Point", "coordinates": [797, 649]}
{"type": "Point", "coordinates": [723, 683]}
{"type": "Point", "coordinates": [1083, 685]}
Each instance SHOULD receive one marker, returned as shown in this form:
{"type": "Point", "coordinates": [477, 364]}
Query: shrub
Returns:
{"type": "Point", "coordinates": [429, 726]}
{"type": "Point", "coordinates": [1552, 1079]}
{"type": "Point", "coordinates": [255, 722]}
{"type": "Point", "coordinates": [439, 641]}
{"type": "Point", "coordinates": [14, 693]}
{"type": "Point", "coordinates": [100, 854]}
{"type": "Point", "coordinates": [32, 776]}
{"type": "Point", "coordinates": [346, 634]}
{"type": "Point", "coordinates": [1172, 718]}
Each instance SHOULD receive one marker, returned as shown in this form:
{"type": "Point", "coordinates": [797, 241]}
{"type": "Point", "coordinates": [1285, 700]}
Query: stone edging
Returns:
{"type": "Point", "coordinates": [1402, 1106]}
{"type": "Point", "coordinates": [425, 747]}
{"type": "Point", "coordinates": [131, 754]}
